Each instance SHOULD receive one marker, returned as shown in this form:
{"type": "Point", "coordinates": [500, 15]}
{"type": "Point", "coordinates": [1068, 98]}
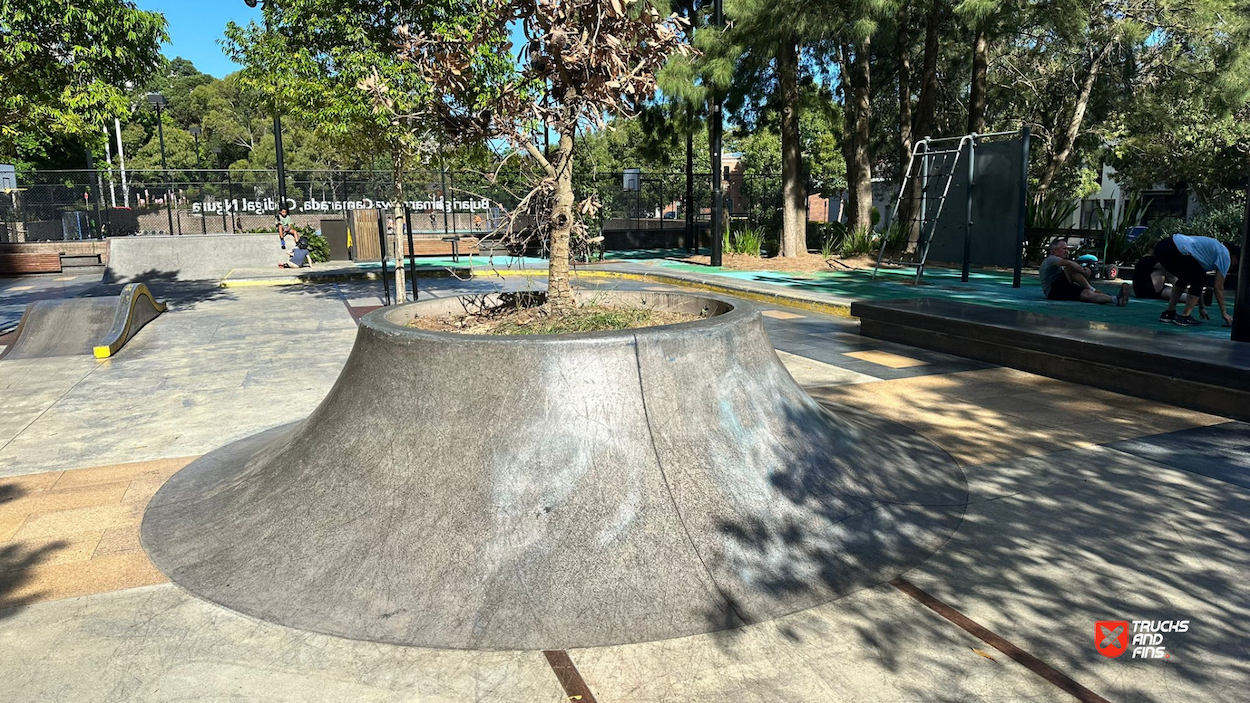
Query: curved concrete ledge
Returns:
{"type": "Point", "coordinates": [74, 326]}
{"type": "Point", "coordinates": [553, 492]}
{"type": "Point", "coordinates": [135, 309]}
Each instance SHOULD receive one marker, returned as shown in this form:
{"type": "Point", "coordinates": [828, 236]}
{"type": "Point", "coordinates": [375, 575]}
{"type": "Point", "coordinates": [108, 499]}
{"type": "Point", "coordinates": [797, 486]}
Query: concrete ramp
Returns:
{"type": "Point", "coordinates": [552, 492]}
{"type": "Point", "coordinates": [190, 257]}
{"type": "Point", "coordinates": [78, 326]}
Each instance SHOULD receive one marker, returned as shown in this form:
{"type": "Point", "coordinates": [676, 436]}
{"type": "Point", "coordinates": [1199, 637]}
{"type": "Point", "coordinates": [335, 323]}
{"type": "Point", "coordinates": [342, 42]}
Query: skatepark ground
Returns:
{"type": "Point", "coordinates": [1085, 505]}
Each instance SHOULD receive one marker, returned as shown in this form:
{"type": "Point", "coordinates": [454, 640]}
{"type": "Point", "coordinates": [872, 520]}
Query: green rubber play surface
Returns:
{"type": "Point", "coordinates": [983, 287]}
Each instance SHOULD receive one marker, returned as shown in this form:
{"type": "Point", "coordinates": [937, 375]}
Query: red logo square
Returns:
{"type": "Point", "coordinates": [1111, 637]}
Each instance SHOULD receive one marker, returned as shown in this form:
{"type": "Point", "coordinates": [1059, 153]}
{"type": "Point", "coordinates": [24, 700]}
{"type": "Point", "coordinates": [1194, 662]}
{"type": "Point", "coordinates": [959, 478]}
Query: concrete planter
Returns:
{"type": "Point", "coordinates": [555, 492]}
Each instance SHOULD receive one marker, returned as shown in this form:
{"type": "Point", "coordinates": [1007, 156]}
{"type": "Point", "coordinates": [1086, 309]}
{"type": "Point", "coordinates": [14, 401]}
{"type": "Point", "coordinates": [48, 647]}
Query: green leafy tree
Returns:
{"type": "Point", "coordinates": [309, 58]}
{"type": "Point", "coordinates": [63, 66]}
{"type": "Point", "coordinates": [584, 62]}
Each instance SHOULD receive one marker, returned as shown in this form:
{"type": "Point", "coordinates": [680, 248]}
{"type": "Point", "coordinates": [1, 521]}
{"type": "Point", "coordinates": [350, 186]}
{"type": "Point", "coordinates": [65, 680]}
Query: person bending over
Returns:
{"type": "Point", "coordinates": [1064, 279]}
{"type": "Point", "coordinates": [1152, 282]}
{"type": "Point", "coordinates": [1188, 259]}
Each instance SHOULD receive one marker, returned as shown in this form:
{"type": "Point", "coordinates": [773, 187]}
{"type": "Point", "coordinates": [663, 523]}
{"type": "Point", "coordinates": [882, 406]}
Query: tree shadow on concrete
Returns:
{"type": "Point", "coordinates": [16, 560]}
{"type": "Point", "coordinates": [1049, 544]}
{"type": "Point", "coordinates": [857, 501]}
{"type": "Point", "coordinates": [166, 287]}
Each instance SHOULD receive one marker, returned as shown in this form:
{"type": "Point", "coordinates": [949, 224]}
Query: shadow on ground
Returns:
{"type": "Point", "coordinates": [16, 559]}
{"type": "Point", "coordinates": [1049, 544]}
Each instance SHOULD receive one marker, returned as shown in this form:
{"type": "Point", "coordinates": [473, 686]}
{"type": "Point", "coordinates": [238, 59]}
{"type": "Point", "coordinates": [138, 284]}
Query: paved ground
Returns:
{"type": "Point", "coordinates": [1086, 506]}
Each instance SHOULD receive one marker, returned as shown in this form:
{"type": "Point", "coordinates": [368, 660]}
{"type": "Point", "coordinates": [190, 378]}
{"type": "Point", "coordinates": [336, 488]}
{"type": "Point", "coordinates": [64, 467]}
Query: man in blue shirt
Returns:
{"type": "Point", "coordinates": [1189, 259]}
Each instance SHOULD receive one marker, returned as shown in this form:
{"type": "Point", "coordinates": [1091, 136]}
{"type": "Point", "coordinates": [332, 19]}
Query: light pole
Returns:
{"type": "Point", "coordinates": [196, 132]}
{"type": "Point", "coordinates": [159, 102]}
{"type": "Point", "coordinates": [225, 202]}
{"type": "Point", "coordinates": [277, 121]}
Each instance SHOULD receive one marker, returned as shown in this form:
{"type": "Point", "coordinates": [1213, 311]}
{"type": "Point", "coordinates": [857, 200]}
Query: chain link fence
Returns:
{"type": "Point", "coordinates": [91, 204]}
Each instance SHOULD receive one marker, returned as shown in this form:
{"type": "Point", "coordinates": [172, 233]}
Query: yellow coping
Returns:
{"type": "Point", "coordinates": [105, 351]}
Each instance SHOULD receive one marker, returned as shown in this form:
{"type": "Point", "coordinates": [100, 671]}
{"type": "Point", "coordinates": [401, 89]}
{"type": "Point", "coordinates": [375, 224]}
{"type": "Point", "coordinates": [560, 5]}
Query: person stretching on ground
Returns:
{"type": "Point", "coordinates": [1189, 259]}
{"type": "Point", "coordinates": [285, 226]}
{"type": "Point", "coordinates": [1064, 279]}
{"type": "Point", "coordinates": [1152, 282]}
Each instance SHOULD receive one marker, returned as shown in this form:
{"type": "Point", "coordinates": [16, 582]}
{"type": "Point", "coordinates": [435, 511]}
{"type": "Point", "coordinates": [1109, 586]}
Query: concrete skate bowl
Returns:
{"type": "Point", "coordinates": [477, 492]}
{"type": "Point", "coordinates": [79, 326]}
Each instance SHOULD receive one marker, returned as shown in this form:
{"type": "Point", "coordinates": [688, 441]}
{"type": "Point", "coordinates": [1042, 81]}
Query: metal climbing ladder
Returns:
{"type": "Point", "coordinates": [935, 171]}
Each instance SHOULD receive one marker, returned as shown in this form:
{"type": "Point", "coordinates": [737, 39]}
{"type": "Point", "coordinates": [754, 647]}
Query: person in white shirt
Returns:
{"type": "Point", "coordinates": [1189, 259]}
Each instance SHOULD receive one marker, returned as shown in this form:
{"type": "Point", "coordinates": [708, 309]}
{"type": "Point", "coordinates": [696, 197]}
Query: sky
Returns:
{"type": "Point", "coordinates": [195, 26]}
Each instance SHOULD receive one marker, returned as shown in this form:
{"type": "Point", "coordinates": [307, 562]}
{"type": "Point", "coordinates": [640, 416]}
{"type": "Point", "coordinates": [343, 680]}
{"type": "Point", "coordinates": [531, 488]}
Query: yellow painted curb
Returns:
{"type": "Point", "coordinates": [298, 280]}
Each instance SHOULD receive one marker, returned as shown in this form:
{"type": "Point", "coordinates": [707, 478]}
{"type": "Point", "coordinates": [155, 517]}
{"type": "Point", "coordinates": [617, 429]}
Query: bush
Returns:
{"type": "Point", "coordinates": [318, 247]}
{"type": "Point", "coordinates": [859, 241]}
{"type": "Point", "coordinates": [748, 240]}
{"type": "Point", "coordinates": [1223, 222]}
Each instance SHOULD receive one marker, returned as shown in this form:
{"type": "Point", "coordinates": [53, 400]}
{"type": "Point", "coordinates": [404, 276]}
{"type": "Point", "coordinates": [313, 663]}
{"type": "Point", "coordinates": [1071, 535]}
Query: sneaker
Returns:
{"type": "Point", "coordinates": [1186, 321]}
{"type": "Point", "coordinates": [1167, 316]}
{"type": "Point", "coordinates": [284, 244]}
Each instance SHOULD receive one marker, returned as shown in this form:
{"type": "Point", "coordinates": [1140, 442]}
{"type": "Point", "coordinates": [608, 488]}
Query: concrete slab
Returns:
{"type": "Point", "coordinates": [876, 645]}
{"type": "Point", "coordinates": [1221, 451]}
{"type": "Point", "coordinates": [1052, 544]}
{"type": "Point", "coordinates": [809, 372]}
{"type": "Point", "coordinates": [160, 644]}
{"type": "Point", "coordinates": [189, 257]}
{"type": "Point", "coordinates": [211, 371]}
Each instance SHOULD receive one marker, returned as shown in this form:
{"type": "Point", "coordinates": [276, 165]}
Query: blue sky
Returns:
{"type": "Point", "coordinates": [195, 26]}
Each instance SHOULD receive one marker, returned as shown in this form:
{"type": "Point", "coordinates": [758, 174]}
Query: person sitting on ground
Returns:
{"type": "Point", "coordinates": [1064, 279]}
{"type": "Point", "coordinates": [300, 257]}
{"type": "Point", "coordinates": [285, 226]}
{"type": "Point", "coordinates": [1188, 259]}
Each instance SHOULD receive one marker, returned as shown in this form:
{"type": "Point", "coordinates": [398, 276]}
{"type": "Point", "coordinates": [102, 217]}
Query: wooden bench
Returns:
{"type": "Point", "coordinates": [437, 247]}
{"type": "Point", "coordinates": [18, 264]}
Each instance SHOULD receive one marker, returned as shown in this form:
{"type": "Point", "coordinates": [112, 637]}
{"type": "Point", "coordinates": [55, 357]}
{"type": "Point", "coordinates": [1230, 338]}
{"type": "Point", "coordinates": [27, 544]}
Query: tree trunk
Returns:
{"type": "Point", "coordinates": [976, 93]}
{"type": "Point", "coordinates": [559, 289]}
{"type": "Point", "coordinates": [848, 129]}
{"type": "Point", "coordinates": [859, 168]}
{"type": "Point", "coordinates": [1062, 148]}
{"type": "Point", "coordinates": [926, 106]}
{"type": "Point", "coordinates": [908, 187]}
{"type": "Point", "coordinates": [793, 205]}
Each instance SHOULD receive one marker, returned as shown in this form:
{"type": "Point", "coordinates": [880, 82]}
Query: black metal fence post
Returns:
{"type": "Point", "coordinates": [1025, 134]}
{"type": "Point", "coordinates": [412, 252]}
{"type": "Point", "coordinates": [386, 287]}
{"type": "Point", "coordinates": [1241, 303]}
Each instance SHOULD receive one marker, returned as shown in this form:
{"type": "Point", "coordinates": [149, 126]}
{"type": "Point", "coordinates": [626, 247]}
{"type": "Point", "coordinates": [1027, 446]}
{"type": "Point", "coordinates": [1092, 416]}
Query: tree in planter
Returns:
{"type": "Point", "coordinates": [583, 63]}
